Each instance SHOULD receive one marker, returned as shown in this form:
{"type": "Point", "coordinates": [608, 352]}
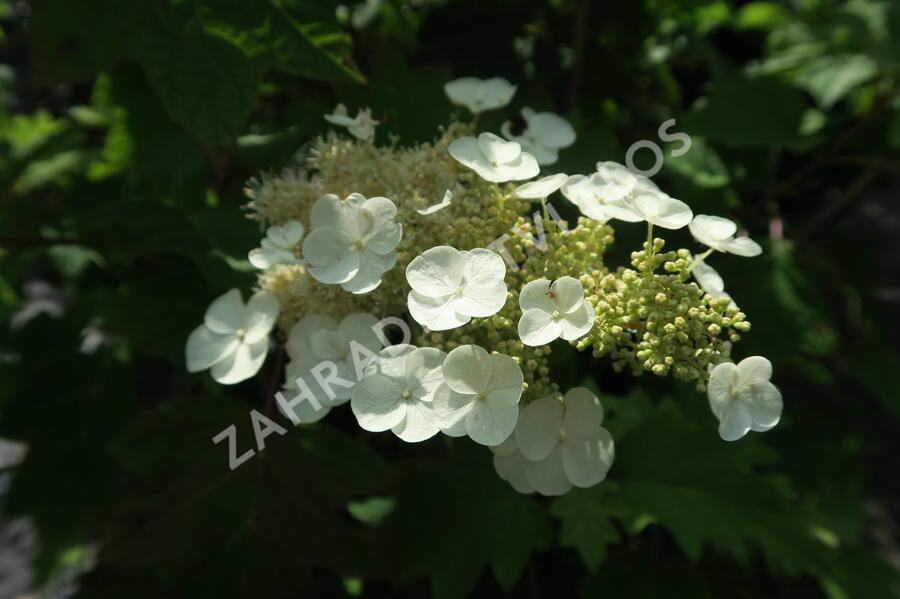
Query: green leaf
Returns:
{"type": "Point", "coordinates": [474, 519]}
{"type": "Point", "coordinates": [758, 111]}
{"type": "Point", "coordinates": [701, 165]}
{"type": "Point", "coordinates": [830, 78]}
{"type": "Point", "coordinates": [761, 15]}
{"type": "Point", "coordinates": [586, 522]}
{"type": "Point", "coordinates": [207, 84]}
{"type": "Point", "coordinates": [264, 31]}
{"type": "Point", "coordinates": [189, 518]}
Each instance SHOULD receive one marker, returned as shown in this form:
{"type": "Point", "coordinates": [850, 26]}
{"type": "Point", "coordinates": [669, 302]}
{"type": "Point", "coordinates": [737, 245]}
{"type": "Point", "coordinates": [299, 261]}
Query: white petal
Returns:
{"type": "Point", "coordinates": [465, 91]}
{"type": "Point", "coordinates": [329, 345]}
{"type": "Point", "coordinates": [261, 258]}
{"type": "Point", "coordinates": [376, 402]}
{"type": "Point", "coordinates": [226, 314]}
{"type": "Point", "coordinates": [286, 235]}
{"type": "Point", "coordinates": [511, 468]}
{"type": "Point", "coordinates": [710, 230]}
{"type": "Point", "coordinates": [537, 327]}
{"type": "Point", "coordinates": [467, 369]}
{"type": "Point", "coordinates": [298, 343]}
{"type": "Point", "coordinates": [497, 92]}
{"type": "Point", "coordinates": [754, 370]}
{"type": "Point", "coordinates": [722, 380]}
{"type": "Point", "coordinates": [735, 421]}
{"type": "Point", "coordinates": [506, 379]}
{"type": "Point", "coordinates": [541, 188]}
{"type": "Point", "coordinates": [483, 263]}
{"type": "Point", "coordinates": [539, 428]}
{"type": "Point", "coordinates": [575, 325]}
{"type": "Point", "coordinates": [450, 409]}
{"type": "Point", "coordinates": [491, 421]}
{"type": "Point", "coordinates": [550, 129]}
{"type": "Point", "coordinates": [423, 371]}
{"type": "Point", "coordinates": [418, 425]}
{"type": "Point", "coordinates": [262, 311]}
{"type": "Point", "coordinates": [466, 151]}
{"type": "Point", "coordinates": [708, 279]}
{"type": "Point", "coordinates": [567, 294]}
{"type": "Point", "coordinates": [741, 246]}
{"type": "Point", "coordinates": [669, 212]}
{"type": "Point", "coordinates": [371, 270]}
{"type": "Point", "coordinates": [305, 411]}
{"type": "Point", "coordinates": [481, 297]}
{"type": "Point", "coordinates": [437, 271]}
{"type": "Point", "coordinates": [497, 150]}
{"type": "Point", "coordinates": [613, 181]}
{"type": "Point", "coordinates": [584, 414]}
{"type": "Point", "coordinates": [446, 201]}
{"type": "Point", "coordinates": [359, 327]}
{"type": "Point", "coordinates": [334, 213]}
{"type": "Point", "coordinates": [765, 405]}
{"type": "Point", "coordinates": [244, 362]}
{"type": "Point", "coordinates": [437, 314]}
{"type": "Point", "coordinates": [536, 295]}
{"type": "Point", "coordinates": [586, 460]}
{"type": "Point", "coordinates": [331, 255]}
{"type": "Point", "coordinates": [548, 476]}
{"type": "Point", "coordinates": [508, 447]}
{"type": "Point", "coordinates": [391, 362]}
{"type": "Point", "coordinates": [204, 348]}
{"type": "Point", "coordinates": [544, 155]}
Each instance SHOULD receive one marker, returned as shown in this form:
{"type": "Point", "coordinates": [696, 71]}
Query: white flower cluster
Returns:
{"type": "Point", "coordinates": [547, 446]}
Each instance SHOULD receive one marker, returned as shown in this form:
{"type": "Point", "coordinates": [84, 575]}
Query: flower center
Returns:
{"type": "Point", "coordinates": [406, 394]}
{"type": "Point", "coordinates": [481, 396]}
{"type": "Point", "coordinates": [241, 333]}
{"type": "Point", "coordinates": [360, 244]}
{"type": "Point", "coordinates": [562, 435]}
{"type": "Point", "coordinates": [556, 315]}
{"type": "Point", "coordinates": [458, 292]}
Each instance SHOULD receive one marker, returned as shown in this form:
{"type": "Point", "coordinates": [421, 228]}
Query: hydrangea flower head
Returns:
{"type": "Point", "coordinates": [742, 397]}
{"type": "Point", "coordinates": [551, 311]}
{"type": "Point", "coordinates": [353, 241]}
{"type": "Point", "coordinates": [544, 136]}
{"type": "Point", "coordinates": [397, 392]}
{"type": "Point", "coordinates": [479, 95]}
{"type": "Point", "coordinates": [450, 287]}
{"type": "Point", "coordinates": [479, 396]}
{"type": "Point", "coordinates": [362, 126]}
{"type": "Point", "coordinates": [277, 247]}
{"type": "Point", "coordinates": [718, 233]}
{"type": "Point", "coordinates": [494, 159]}
{"type": "Point", "coordinates": [234, 338]}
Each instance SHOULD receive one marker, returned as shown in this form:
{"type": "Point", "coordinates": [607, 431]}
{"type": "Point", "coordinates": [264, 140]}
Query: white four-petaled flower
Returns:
{"type": "Point", "coordinates": [277, 247]}
{"type": "Point", "coordinates": [479, 95]}
{"type": "Point", "coordinates": [450, 287]}
{"type": "Point", "coordinates": [362, 126]}
{"type": "Point", "coordinates": [234, 338]}
{"type": "Point", "coordinates": [558, 445]}
{"type": "Point", "coordinates": [718, 233]}
{"type": "Point", "coordinates": [550, 311]}
{"type": "Point", "coordinates": [352, 241]}
{"type": "Point", "coordinates": [317, 343]}
{"type": "Point", "coordinates": [493, 158]}
{"type": "Point", "coordinates": [742, 397]}
{"type": "Point", "coordinates": [479, 396]}
{"type": "Point", "coordinates": [544, 136]}
{"type": "Point", "coordinates": [397, 392]}
{"type": "Point", "coordinates": [542, 188]}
